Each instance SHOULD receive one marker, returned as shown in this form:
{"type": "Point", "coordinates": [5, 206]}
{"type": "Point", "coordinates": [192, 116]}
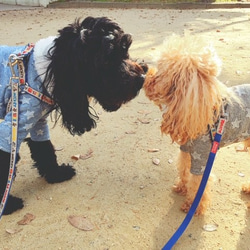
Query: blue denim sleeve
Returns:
{"type": "Point", "coordinates": [32, 112]}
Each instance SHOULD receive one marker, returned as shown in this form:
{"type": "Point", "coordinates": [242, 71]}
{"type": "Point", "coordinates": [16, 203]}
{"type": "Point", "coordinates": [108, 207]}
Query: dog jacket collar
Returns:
{"type": "Point", "coordinates": [23, 84]}
{"type": "Point", "coordinates": [224, 115]}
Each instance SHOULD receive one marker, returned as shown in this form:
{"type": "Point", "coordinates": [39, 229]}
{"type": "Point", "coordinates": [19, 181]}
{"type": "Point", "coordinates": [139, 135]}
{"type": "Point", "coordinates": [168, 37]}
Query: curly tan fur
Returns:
{"type": "Point", "coordinates": [184, 85]}
{"type": "Point", "coordinates": [185, 82]}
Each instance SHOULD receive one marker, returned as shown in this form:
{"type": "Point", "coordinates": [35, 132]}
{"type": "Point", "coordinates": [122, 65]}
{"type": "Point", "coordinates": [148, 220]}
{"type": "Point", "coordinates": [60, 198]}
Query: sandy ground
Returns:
{"type": "Point", "coordinates": [119, 190]}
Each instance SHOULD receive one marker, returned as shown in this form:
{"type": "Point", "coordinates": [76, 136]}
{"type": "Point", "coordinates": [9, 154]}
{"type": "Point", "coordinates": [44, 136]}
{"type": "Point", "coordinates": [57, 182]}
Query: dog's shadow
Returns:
{"type": "Point", "coordinates": [191, 237]}
{"type": "Point", "coordinates": [172, 220]}
{"type": "Point", "coordinates": [34, 188]}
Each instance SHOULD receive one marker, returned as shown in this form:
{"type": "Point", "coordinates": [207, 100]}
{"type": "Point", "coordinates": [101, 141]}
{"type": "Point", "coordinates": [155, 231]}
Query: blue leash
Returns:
{"type": "Point", "coordinates": [210, 161]}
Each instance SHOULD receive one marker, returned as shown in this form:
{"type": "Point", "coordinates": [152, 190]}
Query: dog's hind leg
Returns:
{"type": "Point", "coordinates": [246, 146]}
{"type": "Point", "coordinates": [183, 167]}
{"type": "Point", "coordinates": [13, 203]}
{"type": "Point", "coordinates": [246, 187]}
{"type": "Point", "coordinates": [43, 154]}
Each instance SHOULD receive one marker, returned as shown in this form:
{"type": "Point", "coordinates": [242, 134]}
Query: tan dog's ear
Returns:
{"type": "Point", "coordinates": [154, 87]}
{"type": "Point", "coordinates": [149, 83]}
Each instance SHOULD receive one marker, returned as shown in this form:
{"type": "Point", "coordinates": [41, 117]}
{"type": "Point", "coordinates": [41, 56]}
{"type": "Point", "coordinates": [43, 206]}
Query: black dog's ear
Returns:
{"type": "Point", "coordinates": [66, 72]}
{"type": "Point", "coordinates": [76, 116]}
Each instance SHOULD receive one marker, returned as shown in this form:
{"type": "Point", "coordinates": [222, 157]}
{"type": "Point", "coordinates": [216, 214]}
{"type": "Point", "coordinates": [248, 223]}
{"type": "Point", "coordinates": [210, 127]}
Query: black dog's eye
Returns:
{"type": "Point", "coordinates": [108, 43]}
{"type": "Point", "coordinates": [126, 42]}
{"type": "Point", "coordinates": [110, 37]}
{"type": "Point", "coordinates": [124, 46]}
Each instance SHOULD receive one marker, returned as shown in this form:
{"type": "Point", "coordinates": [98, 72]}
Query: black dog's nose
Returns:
{"type": "Point", "coordinates": [141, 81]}
{"type": "Point", "coordinates": [144, 67]}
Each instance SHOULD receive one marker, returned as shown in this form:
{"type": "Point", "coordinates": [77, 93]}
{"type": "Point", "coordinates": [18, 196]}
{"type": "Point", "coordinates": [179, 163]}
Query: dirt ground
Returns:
{"type": "Point", "coordinates": [127, 199]}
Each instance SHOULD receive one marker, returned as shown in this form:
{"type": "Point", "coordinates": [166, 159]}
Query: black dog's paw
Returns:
{"type": "Point", "coordinates": [60, 174]}
{"type": "Point", "coordinates": [12, 205]}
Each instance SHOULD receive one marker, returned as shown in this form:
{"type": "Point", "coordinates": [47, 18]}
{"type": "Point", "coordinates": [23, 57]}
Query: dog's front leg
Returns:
{"type": "Point", "coordinates": [183, 167]}
{"type": "Point", "coordinates": [192, 187]}
{"type": "Point", "coordinates": [43, 154]}
{"type": "Point", "coordinates": [13, 203]}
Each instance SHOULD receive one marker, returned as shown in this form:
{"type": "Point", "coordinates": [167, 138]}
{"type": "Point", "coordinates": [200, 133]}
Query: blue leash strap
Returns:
{"type": "Point", "coordinates": [210, 161]}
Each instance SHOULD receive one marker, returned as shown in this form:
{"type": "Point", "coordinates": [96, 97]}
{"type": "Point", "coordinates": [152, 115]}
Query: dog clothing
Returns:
{"type": "Point", "coordinates": [33, 112]}
{"type": "Point", "coordinates": [237, 129]}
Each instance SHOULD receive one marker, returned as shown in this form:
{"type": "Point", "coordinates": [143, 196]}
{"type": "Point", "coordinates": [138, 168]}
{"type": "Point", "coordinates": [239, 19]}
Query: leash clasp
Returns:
{"type": "Point", "coordinates": [225, 116]}
{"type": "Point", "coordinates": [13, 59]}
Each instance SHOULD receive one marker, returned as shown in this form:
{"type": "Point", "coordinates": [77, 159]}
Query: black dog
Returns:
{"type": "Point", "coordinates": [88, 59]}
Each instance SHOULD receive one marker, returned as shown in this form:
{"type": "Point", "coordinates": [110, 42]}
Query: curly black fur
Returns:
{"type": "Point", "coordinates": [45, 160]}
{"type": "Point", "coordinates": [90, 59]}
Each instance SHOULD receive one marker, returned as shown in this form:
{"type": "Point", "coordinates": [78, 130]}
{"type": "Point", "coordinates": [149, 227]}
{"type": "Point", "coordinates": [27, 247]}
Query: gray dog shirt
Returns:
{"type": "Point", "coordinates": [237, 129]}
